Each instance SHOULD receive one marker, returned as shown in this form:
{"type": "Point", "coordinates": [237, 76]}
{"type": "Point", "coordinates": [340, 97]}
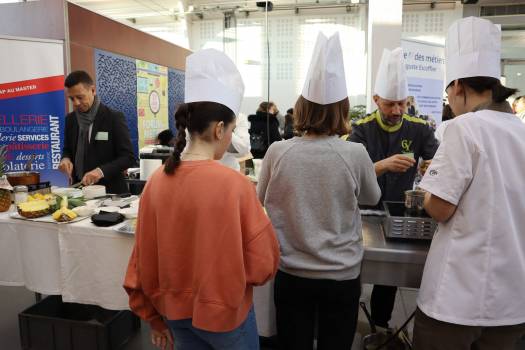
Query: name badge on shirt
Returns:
{"type": "Point", "coordinates": [102, 136]}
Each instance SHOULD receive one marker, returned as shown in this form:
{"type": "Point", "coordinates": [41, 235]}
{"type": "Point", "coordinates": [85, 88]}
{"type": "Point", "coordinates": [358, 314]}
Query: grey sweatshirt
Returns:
{"type": "Point", "coordinates": [311, 189]}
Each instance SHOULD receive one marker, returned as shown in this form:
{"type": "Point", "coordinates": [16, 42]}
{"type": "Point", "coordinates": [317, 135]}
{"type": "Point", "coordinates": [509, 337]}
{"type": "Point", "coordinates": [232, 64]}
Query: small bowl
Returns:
{"type": "Point", "coordinates": [93, 203]}
{"type": "Point", "coordinates": [75, 192]}
{"type": "Point", "coordinates": [60, 191]}
{"type": "Point", "coordinates": [129, 213]}
{"type": "Point", "coordinates": [93, 191]}
{"type": "Point", "coordinates": [84, 210]}
{"type": "Point", "coordinates": [67, 191]}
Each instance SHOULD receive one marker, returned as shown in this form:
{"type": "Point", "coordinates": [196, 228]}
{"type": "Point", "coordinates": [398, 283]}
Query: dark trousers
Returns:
{"type": "Point", "coordinates": [382, 304]}
{"type": "Point", "coordinates": [431, 334]}
{"type": "Point", "coordinates": [300, 303]}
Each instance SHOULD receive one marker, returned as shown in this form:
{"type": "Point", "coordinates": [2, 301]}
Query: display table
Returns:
{"type": "Point", "coordinates": [83, 263]}
{"type": "Point", "coordinates": [388, 262]}
{"type": "Point", "coordinates": [87, 264]}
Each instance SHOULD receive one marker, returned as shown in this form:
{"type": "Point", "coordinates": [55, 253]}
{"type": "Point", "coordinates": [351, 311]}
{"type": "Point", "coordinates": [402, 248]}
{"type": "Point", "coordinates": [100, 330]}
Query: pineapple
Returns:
{"type": "Point", "coordinates": [34, 209]}
{"type": "Point", "coordinates": [64, 214]}
{"type": "Point", "coordinates": [5, 187]}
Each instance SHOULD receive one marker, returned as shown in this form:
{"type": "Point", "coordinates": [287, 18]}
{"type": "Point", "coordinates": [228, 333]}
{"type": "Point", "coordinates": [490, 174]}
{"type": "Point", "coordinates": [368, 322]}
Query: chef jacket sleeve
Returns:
{"type": "Point", "coordinates": [241, 136]}
{"type": "Point", "coordinates": [451, 170]}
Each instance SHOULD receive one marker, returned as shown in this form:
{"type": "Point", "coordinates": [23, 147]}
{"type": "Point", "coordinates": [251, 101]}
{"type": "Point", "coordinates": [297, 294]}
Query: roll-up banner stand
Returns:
{"type": "Point", "coordinates": [32, 105]}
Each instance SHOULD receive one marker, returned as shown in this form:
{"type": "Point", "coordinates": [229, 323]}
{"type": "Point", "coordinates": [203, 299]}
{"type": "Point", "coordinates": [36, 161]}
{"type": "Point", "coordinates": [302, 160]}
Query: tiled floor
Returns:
{"type": "Point", "coordinates": [15, 299]}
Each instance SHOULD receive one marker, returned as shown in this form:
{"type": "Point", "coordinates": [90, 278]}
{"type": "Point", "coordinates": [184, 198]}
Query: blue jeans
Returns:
{"type": "Point", "coordinates": [187, 337]}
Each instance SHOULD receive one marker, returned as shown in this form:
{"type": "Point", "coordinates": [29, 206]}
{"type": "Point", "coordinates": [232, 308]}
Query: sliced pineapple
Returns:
{"type": "Point", "coordinates": [33, 209]}
{"type": "Point", "coordinates": [64, 214]}
{"type": "Point", "coordinates": [38, 196]}
{"type": "Point", "coordinates": [50, 199]}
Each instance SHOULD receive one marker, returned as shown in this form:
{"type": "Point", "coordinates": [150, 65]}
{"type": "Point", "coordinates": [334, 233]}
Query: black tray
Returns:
{"type": "Point", "coordinates": [54, 325]}
{"type": "Point", "coordinates": [399, 223]}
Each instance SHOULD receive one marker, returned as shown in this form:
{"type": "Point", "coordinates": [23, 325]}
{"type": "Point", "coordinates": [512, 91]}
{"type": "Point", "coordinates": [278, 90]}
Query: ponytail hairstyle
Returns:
{"type": "Point", "coordinates": [196, 117]}
{"type": "Point", "coordinates": [481, 84]}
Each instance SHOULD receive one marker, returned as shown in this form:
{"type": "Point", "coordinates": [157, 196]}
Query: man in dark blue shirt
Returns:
{"type": "Point", "coordinates": [395, 141]}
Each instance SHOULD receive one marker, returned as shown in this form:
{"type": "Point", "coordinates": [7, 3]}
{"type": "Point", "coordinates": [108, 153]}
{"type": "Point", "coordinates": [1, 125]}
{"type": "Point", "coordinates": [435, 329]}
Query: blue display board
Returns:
{"type": "Point", "coordinates": [116, 77]}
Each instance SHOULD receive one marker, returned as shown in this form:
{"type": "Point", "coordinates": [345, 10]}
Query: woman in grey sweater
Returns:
{"type": "Point", "coordinates": [311, 187]}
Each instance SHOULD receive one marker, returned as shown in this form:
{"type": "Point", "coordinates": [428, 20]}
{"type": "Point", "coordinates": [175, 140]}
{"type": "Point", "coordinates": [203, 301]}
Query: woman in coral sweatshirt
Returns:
{"type": "Point", "coordinates": [203, 240]}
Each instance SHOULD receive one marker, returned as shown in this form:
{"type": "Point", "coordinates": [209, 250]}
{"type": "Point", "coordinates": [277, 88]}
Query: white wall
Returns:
{"type": "Point", "coordinates": [34, 19]}
{"type": "Point", "coordinates": [429, 25]}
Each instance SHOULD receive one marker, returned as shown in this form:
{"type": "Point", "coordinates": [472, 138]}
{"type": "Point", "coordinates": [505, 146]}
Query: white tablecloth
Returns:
{"type": "Point", "coordinates": [93, 264]}
{"type": "Point", "coordinates": [265, 309]}
{"type": "Point", "coordinates": [11, 269]}
{"type": "Point", "coordinates": [29, 254]}
{"type": "Point", "coordinates": [84, 263]}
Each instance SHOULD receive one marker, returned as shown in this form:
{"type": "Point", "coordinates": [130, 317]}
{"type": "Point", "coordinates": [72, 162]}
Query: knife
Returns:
{"type": "Point", "coordinates": [77, 185]}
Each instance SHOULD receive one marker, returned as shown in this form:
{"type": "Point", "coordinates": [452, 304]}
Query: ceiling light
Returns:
{"type": "Point", "coordinates": [354, 1]}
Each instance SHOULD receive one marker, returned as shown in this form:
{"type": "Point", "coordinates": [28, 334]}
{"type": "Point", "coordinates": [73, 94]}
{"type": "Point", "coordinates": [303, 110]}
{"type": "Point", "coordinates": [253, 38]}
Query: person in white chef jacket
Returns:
{"type": "Point", "coordinates": [472, 295]}
{"type": "Point", "coordinates": [240, 145]}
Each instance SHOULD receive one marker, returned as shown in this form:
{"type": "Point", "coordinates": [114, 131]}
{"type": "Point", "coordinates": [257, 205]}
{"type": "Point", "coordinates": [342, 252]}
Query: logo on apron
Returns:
{"type": "Point", "coordinates": [405, 145]}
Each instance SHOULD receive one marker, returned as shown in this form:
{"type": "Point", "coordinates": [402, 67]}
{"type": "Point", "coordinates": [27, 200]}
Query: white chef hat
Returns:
{"type": "Point", "coordinates": [212, 76]}
{"type": "Point", "coordinates": [391, 79]}
{"type": "Point", "coordinates": [473, 49]}
{"type": "Point", "coordinates": [325, 82]}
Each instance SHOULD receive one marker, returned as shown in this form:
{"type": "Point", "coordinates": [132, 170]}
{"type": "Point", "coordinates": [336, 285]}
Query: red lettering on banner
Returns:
{"type": "Point", "coordinates": [27, 147]}
{"type": "Point", "coordinates": [31, 87]}
{"type": "Point", "coordinates": [23, 119]}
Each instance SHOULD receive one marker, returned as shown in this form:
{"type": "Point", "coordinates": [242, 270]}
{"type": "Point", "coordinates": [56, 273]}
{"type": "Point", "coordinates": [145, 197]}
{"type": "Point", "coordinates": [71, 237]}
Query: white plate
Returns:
{"type": "Point", "coordinates": [127, 227]}
{"type": "Point", "coordinates": [107, 209]}
{"type": "Point", "coordinates": [120, 202]}
{"type": "Point", "coordinates": [129, 213]}
{"type": "Point", "coordinates": [47, 218]}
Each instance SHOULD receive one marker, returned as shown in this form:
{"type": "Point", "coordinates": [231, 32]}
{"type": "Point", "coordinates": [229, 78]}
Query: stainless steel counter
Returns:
{"type": "Point", "coordinates": [391, 262]}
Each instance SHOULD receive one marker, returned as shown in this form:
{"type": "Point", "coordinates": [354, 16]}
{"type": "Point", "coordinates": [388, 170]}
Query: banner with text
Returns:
{"type": "Point", "coordinates": [32, 108]}
{"type": "Point", "coordinates": [425, 67]}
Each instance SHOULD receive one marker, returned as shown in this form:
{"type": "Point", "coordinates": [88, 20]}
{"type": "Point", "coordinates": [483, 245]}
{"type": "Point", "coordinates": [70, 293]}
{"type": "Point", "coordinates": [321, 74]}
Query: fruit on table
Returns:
{"type": "Point", "coordinates": [5, 200]}
{"type": "Point", "coordinates": [36, 197]}
{"type": "Point", "coordinates": [39, 196]}
{"type": "Point", "coordinates": [34, 209]}
{"type": "Point", "coordinates": [64, 214]}
{"type": "Point", "coordinates": [50, 199]}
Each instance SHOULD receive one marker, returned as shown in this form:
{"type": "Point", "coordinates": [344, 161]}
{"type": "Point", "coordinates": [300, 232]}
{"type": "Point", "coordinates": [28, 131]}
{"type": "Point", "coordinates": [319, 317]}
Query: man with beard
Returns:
{"type": "Point", "coordinates": [395, 141]}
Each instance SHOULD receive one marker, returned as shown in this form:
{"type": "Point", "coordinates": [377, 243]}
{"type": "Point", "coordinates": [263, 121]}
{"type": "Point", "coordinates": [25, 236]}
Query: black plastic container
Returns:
{"type": "Point", "coordinates": [54, 325]}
